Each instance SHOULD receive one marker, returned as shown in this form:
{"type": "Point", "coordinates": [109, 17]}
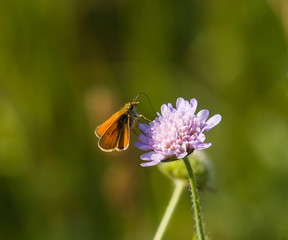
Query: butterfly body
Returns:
{"type": "Point", "coordinates": [114, 134]}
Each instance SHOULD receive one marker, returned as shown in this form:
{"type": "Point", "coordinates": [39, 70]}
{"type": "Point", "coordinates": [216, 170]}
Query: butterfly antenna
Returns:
{"type": "Point", "coordinates": [143, 93]}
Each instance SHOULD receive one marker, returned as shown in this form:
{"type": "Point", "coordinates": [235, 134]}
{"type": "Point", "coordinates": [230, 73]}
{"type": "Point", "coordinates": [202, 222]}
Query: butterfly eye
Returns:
{"type": "Point", "coordinates": [130, 107]}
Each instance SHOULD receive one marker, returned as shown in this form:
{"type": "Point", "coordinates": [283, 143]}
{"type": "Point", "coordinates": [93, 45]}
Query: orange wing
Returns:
{"type": "Point", "coordinates": [110, 139]}
{"type": "Point", "coordinates": [100, 130]}
{"type": "Point", "coordinates": [124, 136]}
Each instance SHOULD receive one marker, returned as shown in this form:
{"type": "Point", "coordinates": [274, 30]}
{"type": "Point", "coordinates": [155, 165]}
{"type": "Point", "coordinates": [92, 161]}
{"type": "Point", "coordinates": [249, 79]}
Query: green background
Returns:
{"type": "Point", "coordinates": [66, 66]}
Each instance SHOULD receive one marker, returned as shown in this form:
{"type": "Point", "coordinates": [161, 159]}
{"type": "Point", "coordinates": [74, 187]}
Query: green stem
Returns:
{"type": "Point", "coordinates": [179, 186]}
{"type": "Point", "coordinates": [195, 200]}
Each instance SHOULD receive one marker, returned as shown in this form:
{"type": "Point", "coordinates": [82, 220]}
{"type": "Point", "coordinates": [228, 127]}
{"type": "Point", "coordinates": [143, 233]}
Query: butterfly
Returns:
{"type": "Point", "coordinates": [114, 133]}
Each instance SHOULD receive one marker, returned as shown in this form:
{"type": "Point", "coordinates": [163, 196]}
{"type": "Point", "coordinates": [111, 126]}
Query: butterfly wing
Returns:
{"type": "Point", "coordinates": [110, 139]}
{"type": "Point", "coordinates": [100, 130]}
{"type": "Point", "coordinates": [124, 135]}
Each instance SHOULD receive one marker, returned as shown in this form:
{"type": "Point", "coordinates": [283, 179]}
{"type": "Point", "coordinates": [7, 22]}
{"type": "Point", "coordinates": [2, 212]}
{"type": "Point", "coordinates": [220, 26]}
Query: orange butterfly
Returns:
{"type": "Point", "coordinates": [114, 133]}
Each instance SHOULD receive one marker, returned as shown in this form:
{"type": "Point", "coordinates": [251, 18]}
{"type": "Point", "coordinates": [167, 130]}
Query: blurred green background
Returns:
{"type": "Point", "coordinates": [66, 66]}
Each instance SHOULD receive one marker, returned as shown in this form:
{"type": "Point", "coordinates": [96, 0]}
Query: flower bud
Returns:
{"type": "Point", "coordinates": [201, 166]}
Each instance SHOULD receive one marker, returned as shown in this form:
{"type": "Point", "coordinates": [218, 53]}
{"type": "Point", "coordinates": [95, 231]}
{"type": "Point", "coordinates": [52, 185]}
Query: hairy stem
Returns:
{"type": "Point", "coordinates": [195, 200]}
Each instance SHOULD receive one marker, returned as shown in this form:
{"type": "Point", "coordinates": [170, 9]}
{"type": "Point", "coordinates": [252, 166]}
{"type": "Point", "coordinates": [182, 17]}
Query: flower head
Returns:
{"type": "Point", "coordinates": [175, 133]}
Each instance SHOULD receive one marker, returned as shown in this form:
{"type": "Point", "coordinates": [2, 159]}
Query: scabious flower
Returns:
{"type": "Point", "coordinates": [175, 133]}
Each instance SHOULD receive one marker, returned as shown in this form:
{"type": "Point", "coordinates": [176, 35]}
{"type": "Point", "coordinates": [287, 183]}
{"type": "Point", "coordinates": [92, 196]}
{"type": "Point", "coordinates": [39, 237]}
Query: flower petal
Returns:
{"type": "Point", "coordinates": [165, 110]}
{"type": "Point", "coordinates": [148, 164]}
{"type": "Point", "coordinates": [202, 115]}
{"type": "Point", "coordinates": [143, 138]}
{"type": "Point", "coordinates": [182, 155]}
{"type": "Point", "coordinates": [180, 103]}
{"type": "Point", "coordinates": [201, 137]}
{"type": "Point", "coordinates": [200, 146]}
{"type": "Point", "coordinates": [193, 104]}
{"type": "Point", "coordinates": [152, 156]}
{"type": "Point", "coordinates": [170, 106]}
{"type": "Point", "coordinates": [143, 127]}
{"type": "Point", "coordinates": [212, 122]}
{"type": "Point", "coordinates": [142, 146]}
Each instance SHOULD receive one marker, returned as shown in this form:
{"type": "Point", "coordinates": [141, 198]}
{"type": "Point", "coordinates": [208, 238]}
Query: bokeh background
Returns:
{"type": "Point", "coordinates": [66, 66]}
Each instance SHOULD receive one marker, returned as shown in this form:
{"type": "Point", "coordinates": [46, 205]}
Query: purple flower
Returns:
{"type": "Point", "coordinates": [176, 133]}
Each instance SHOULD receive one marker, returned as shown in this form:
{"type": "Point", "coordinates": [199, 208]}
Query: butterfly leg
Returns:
{"type": "Point", "coordinates": [132, 130]}
{"type": "Point", "coordinates": [141, 116]}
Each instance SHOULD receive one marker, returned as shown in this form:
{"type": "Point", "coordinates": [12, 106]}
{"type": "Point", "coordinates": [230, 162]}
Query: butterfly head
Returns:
{"type": "Point", "coordinates": [131, 106]}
